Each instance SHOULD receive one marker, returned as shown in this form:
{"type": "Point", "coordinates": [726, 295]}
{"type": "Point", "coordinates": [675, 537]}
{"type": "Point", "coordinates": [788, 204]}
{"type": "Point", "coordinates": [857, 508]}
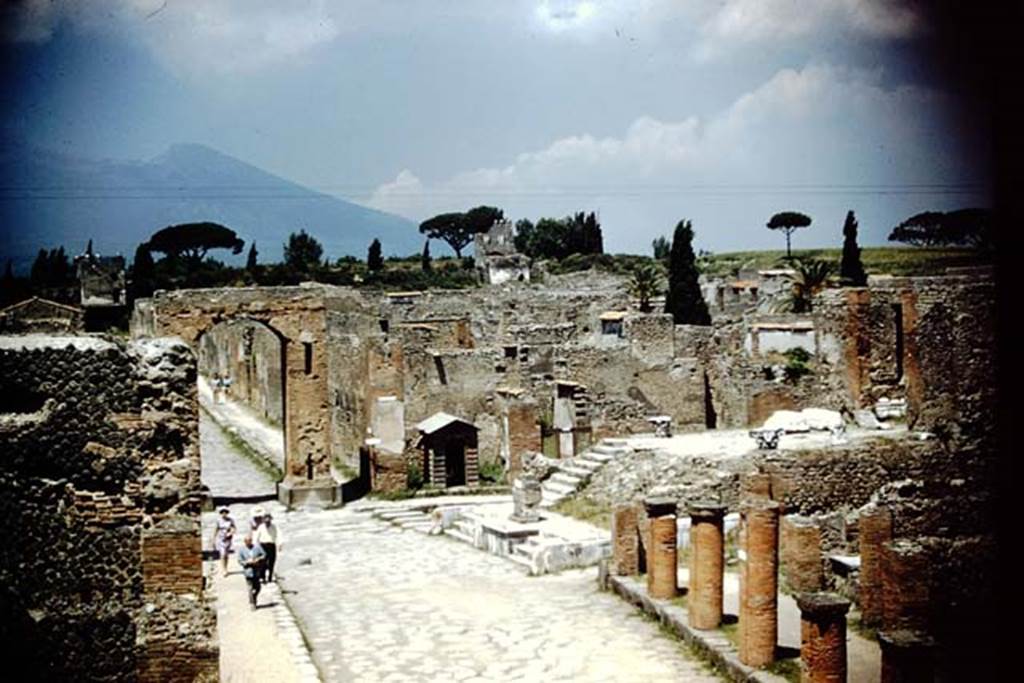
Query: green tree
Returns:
{"type": "Point", "coordinates": [374, 259]}
{"type": "Point", "coordinates": [193, 240]}
{"type": "Point", "coordinates": [303, 253]}
{"type": "Point", "coordinates": [644, 284]}
{"type": "Point", "coordinates": [250, 261]}
{"type": "Point", "coordinates": [143, 273]}
{"type": "Point", "coordinates": [425, 261]}
{"type": "Point", "coordinates": [964, 227]}
{"type": "Point", "coordinates": [787, 222]}
{"type": "Point", "coordinates": [661, 247]}
{"type": "Point", "coordinates": [684, 299]}
{"type": "Point", "coordinates": [451, 228]}
{"type": "Point", "coordinates": [482, 218]}
{"type": "Point", "coordinates": [809, 278]}
{"type": "Point", "coordinates": [851, 270]}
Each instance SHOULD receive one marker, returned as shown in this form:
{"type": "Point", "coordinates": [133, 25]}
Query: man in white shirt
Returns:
{"type": "Point", "coordinates": [266, 537]}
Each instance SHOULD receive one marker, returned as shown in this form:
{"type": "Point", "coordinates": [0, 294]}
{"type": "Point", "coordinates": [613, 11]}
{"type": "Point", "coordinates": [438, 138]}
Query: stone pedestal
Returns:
{"type": "Point", "coordinates": [875, 530]}
{"type": "Point", "coordinates": [625, 541]}
{"type": "Point", "coordinates": [907, 656]}
{"type": "Point", "coordinates": [822, 637]}
{"type": "Point", "coordinates": [662, 577]}
{"type": "Point", "coordinates": [304, 493]}
{"type": "Point", "coordinates": [526, 496]}
{"type": "Point", "coordinates": [707, 561]}
{"type": "Point", "coordinates": [759, 565]}
{"type": "Point", "coordinates": [905, 595]}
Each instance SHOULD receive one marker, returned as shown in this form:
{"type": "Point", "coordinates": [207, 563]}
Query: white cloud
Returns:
{"type": "Point", "coordinates": [740, 24]}
{"type": "Point", "coordinates": [819, 125]}
{"type": "Point", "coordinates": [194, 38]}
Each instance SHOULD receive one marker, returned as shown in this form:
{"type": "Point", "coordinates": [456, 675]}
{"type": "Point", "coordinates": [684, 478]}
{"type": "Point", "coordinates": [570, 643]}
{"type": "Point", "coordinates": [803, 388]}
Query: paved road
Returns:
{"type": "Point", "coordinates": [381, 604]}
{"type": "Point", "coordinates": [226, 471]}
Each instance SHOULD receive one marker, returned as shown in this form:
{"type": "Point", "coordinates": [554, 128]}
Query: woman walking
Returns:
{"type": "Point", "coordinates": [223, 536]}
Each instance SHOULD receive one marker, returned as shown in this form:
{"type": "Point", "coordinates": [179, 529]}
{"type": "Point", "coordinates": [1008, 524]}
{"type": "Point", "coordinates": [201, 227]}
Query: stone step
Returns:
{"type": "Point", "coordinates": [458, 535]}
{"type": "Point", "coordinates": [615, 441]}
{"type": "Point", "coordinates": [609, 450]}
{"type": "Point", "coordinates": [564, 477]}
{"type": "Point", "coordinates": [594, 456]}
{"type": "Point", "coordinates": [557, 487]}
{"type": "Point", "coordinates": [399, 515]}
{"type": "Point", "coordinates": [584, 463]}
{"type": "Point", "coordinates": [522, 561]}
{"type": "Point", "coordinates": [580, 473]}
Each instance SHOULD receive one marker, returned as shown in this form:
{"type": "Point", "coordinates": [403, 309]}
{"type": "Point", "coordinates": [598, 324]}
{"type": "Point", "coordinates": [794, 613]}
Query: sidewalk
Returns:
{"type": "Point", "coordinates": [264, 439]}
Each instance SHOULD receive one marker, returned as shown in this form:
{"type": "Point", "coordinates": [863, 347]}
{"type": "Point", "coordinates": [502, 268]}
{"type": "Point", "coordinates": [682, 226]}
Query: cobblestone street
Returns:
{"type": "Point", "coordinates": [378, 603]}
{"type": "Point", "coordinates": [227, 472]}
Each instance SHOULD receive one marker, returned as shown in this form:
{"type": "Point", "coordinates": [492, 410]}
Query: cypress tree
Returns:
{"type": "Point", "coordinates": [684, 299]}
{"type": "Point", "coordinates": [143, 272]}
{"type": "Point", "coordinates": [250, 261]}
{"type": "Point", "coordinates": [374, 260]}
{"type": "Point", "coordinates": [425, 260]}
{"type": "Point", "coordinates": [851, 270]}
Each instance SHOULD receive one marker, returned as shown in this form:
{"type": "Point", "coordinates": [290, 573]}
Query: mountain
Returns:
{"type": "Point", "coordinates": [48, 199]}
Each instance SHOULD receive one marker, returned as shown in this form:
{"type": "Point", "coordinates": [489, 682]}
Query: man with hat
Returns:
{"type": "Point", "coordinates": [266, 536]}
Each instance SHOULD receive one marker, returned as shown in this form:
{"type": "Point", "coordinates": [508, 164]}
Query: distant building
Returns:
{"type": "Point", "coordinates": [37, 315]}
{"type": "Point", "coordinates": [103, 289]}
{"type": "Point", "coordinates": [496, 258]}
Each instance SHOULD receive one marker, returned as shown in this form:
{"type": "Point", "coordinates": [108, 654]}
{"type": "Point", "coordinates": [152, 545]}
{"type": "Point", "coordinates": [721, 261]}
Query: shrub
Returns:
{"type": "Point", "coordinates": [492, 471]}
{"type": "Point", "coordinates": [414, 476]}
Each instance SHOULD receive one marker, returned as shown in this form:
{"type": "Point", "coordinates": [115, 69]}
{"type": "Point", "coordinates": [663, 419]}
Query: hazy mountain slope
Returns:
{"type": "Point", "coordinates": [48, 199]}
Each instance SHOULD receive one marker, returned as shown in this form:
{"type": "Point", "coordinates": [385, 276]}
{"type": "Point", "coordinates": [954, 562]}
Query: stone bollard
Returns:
{"type": "Point", "coordinates": [907, 656]}
{"type": "Point", "coordinates": [625, 541]}
{"type": "Point", "coordinates": [662, 558]}
{"type": "Point", "coordinates": [905, 595]}
{"type": "Point", "coordinates": [759, 582]}
{"type": "Point", "coordinates": [822, 637]}
{"type": "Point", "coordinates": [707, 561]}
{"type": "Point", "coordinates": [875, 530]}
{"type": "Point", "coordinates": [800, 553]}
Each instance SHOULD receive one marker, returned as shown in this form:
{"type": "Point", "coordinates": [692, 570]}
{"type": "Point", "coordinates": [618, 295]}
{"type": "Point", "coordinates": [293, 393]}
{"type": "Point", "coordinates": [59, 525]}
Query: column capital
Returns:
{"type": "Point", "coordinates": [706, 509]}
{"type": "Point", "coordinates": [657, 506]}
{"type": "Point", "coordinates": [820, 606]}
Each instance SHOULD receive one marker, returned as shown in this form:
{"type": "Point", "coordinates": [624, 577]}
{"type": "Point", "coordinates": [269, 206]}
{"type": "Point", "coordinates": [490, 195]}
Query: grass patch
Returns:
{"type": "Point", "coordinates": [585, 510]}
{"type": "Point", "coordinates": [876, 260]}
{"type": "Point", "coordinates": [731, 630]}
{"type": "Point", "coordinates": [787, 668]}
{"type": "Point", "coordinates": [868, 632]}
{"type": "Point", "coordinates": [242, 446]}
{"type": "Point", "coordinates": [344, 470]}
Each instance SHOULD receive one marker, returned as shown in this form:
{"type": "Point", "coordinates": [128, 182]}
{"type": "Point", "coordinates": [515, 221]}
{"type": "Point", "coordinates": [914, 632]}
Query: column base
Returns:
{"type": "Point", "coordinates": [304, 493]}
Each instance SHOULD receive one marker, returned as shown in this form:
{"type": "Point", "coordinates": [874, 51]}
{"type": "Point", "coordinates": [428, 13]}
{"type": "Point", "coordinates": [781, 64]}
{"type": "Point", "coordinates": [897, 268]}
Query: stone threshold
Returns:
{"type": "Point", "coordinates": [712, 644]}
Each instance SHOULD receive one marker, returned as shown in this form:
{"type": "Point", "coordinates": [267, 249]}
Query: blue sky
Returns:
{"type": "Point", "coordinates": [646, 111]}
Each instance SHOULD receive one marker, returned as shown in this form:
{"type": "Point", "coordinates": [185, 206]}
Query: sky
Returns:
{"type": "Point", "coordinates": [647, 112]}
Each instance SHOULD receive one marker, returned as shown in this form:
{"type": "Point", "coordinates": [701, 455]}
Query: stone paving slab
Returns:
{"type": "Point", "coordinates": [379, 603]}
{"type": "Point", "coordinates": [228, 473]}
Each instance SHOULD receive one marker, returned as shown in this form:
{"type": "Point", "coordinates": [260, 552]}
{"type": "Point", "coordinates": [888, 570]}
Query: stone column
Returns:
{"type": "Point", "coordinates": [662, 576]}
{"type": "Point", "coordinates": [707, 561]}
{"type": "Point", "coordinates": [907, 656]}
{"type": "Point", "coordinates": [875, 530]}
{"type": "Point", "coordinates": [759, 578]}
{"type": "Point", "coordinates": [822, 637]}
{"type": "Point", "coordinates": [625, 541]}
{"type": "Point", "coordinates": [800, 552]}
{"type": "Point", "coordinates": [905, 594]}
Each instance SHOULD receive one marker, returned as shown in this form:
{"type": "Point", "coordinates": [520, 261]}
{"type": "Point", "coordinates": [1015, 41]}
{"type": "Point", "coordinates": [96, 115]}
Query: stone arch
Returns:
{"type": "Point", "coordinates": [297, 317]}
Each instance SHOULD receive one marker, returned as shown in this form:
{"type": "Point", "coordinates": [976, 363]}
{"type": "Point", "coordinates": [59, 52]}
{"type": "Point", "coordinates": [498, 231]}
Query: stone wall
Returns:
{"type": "Point", "coordinates": [250, 355]}
{"type": "Point", "coordinates": [101, 473]}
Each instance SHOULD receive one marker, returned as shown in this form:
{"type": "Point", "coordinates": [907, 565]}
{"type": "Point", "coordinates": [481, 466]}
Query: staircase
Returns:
{"type": "Point", "coordinates": [575, 473]}
{"type": "Point", "coordinates": [411, 519]}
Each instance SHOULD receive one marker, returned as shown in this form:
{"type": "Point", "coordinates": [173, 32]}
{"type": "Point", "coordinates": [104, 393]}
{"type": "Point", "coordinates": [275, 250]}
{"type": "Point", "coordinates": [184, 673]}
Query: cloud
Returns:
{"type": "Point", "coordinates": [739, 24]}
{"type": "Point", "coordinates": [194, 39]}
{"type": "Point", "coordinates": [818, 126]}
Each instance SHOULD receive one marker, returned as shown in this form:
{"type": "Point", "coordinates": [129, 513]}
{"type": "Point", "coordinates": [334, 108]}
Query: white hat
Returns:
{"type": "Point", "coordinates": [258, 512]}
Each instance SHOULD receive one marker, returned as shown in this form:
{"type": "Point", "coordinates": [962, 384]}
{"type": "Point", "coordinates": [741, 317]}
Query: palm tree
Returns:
{"type": "Point", "coordinates": [645, 284]}
{"type": "Point", "coordinates": [810, 277]}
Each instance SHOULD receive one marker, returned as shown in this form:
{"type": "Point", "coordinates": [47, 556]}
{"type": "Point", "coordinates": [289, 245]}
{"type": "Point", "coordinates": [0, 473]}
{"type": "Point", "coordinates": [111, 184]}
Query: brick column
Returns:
{"type": "Point", "coordinates": [662, 576]}
{"type": "Point", "coordinates": [905, 594]}
{"type": "Point", "coordinates": [756, 485]}
{"type": "Point", "coordinates": [625, 541]}
{"type": "Point", "coordinates": [822, 637]}
{"type": "Point", "coordinates": [759, 575]}
{"type": "Point", "coordinates": [707, 561]}
{"type": "Point", "coordinates": [875, 530]}
{"type": "Point", "coordinates": [907, 656]}
{"type": "Point", "coordinates": [800, 551]}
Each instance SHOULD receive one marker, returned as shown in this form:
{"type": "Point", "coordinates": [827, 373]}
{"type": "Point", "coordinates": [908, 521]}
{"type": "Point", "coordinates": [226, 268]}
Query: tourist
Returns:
{"type": "Point", "coordinates": [225, 388]}
{"type": "Point", "coordinates": [223, 536]}
{"type": "Point", "coordinates": [218, 389]}
{"type": "Point", "coordinates": [251, 557]}
{"type": "Point", "coordinates": [266, 536]}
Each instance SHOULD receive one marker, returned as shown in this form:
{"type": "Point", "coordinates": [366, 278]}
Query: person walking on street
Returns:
{"type": "Point", "coordinates": [223, 537]}
{"type": "Point", "coordinates": [266, 536]}
{"type": "Point", "coordinates": [251, 557]}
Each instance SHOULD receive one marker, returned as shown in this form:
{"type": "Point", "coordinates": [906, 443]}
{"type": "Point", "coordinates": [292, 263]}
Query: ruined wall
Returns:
{"type": "Point", "coordinates": [101, 474]}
